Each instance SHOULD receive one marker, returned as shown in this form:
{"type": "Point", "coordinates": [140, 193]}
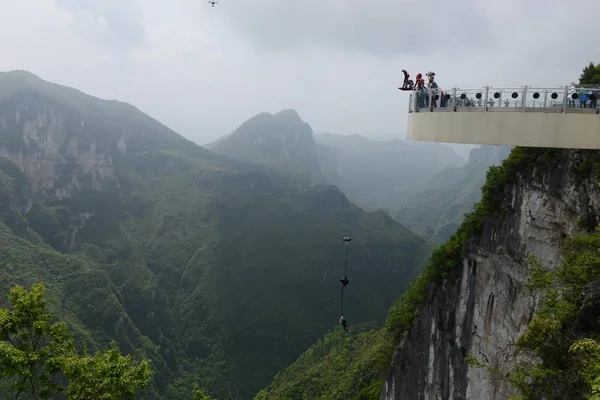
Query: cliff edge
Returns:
{"type": "Point", "coordinates": [474, 299]}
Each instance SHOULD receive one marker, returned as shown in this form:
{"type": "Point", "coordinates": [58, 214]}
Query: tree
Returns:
{"type": "Point", "coordinates": [590, 75]}
{"type": "Point", "coordinates": [199, 394]}
{"type": "Point", "coordinates": [105, 376]}
{"type": "Point", "coordinates": [38, 358]}
{"type": "Point", "coordinates": [31, 349]}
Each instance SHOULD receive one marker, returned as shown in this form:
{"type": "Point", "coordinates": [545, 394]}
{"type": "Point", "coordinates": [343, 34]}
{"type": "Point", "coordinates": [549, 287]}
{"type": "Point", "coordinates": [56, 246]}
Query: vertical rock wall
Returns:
{"type": "Point", "coordinates": [485, 306]}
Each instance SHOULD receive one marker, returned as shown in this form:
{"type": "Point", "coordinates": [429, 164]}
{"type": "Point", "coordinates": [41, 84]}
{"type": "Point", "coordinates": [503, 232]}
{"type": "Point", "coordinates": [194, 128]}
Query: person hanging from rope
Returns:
{"type": "Point", "coordinates": [344, 281]}
{"type": "Point", "coordinates": [345, 324]}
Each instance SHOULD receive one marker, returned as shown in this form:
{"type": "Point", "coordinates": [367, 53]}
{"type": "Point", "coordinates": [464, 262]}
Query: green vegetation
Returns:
{"type": "Point", "coordinates": [436, 209]}
{"type": "Point", "coordinates": [447, 257]}
{"type": "Point", "coordinates": [338, 366]}
{"type": "Point", "coordinates": [339, 357]}
{"type": "Point", "coordinates": [217, 272]}
{"type": "Point", "coordinates": [282, 141]}
{"type": "Point", "coordinates": [37, 356]}
{"type": "Point", "coordinates": [569, 354]}
{"type": "Point", "coordinates": [571, 365]}
{"type": "Point", "coordinates": [590, 75]}
{"type": "Point", "coordinates": [199, 394]}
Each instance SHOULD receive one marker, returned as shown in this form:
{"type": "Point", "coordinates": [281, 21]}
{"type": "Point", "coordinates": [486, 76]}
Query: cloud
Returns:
{"type": "Point", "coordinates": [115, 23]}
{"type": "Point", "coordinates": [202, 71]}
{"type": "Point", "coordinates": [374, 27]}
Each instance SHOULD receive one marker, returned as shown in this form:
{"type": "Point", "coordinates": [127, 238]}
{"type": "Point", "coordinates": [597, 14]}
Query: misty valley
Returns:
{"type": "Point", "coordinates": [275, 262]}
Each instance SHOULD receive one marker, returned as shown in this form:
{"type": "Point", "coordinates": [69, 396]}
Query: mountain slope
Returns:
{"type": "Point", "coordinates": [221, 272]}
{"type": "Point", "coordinates": [379, 174]}
{"type": "Point", "coordinates": [280, 140]}
{"type": "Point", "coordinates": [337, 366]}
{"type": "Point", "coordinates": [435, 209]}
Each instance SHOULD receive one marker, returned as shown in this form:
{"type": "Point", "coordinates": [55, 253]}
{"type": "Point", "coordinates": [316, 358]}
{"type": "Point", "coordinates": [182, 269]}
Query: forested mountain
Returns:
{"type": "Point", "coordinates": [219, 271]}
{"type": "Point", "coordinates": [374, 174]}
{"type": "Point", "coordinates": [280, 140]}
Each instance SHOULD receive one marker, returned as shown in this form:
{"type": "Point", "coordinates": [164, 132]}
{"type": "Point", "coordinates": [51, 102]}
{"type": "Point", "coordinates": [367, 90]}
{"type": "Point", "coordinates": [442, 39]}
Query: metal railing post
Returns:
{"type": "Point", "coordinates": [430, 99]}
{"type": "Point", "coordinates": [545, 99]}
{"type": "Point", "coordinates": [565, 99]}
{"type": "Point", "coordinates": [415, 104]}
{"type": "Point", "coordinates": [485, 100]}
{"type": "Point", "coordinates": [524, 99]}
{"type": "Point", "coordinates": [454, 99]}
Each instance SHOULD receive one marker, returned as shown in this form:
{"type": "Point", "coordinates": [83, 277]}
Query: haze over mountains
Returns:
{"type": "Point", "coordinates": [425, 186]}
{"type": "Point", "coordinates": [220, 271]}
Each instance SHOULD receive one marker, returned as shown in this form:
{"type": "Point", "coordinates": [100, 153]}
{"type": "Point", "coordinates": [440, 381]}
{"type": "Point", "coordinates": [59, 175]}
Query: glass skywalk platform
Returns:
{"type": "Point", "coordinates": [566, 117]}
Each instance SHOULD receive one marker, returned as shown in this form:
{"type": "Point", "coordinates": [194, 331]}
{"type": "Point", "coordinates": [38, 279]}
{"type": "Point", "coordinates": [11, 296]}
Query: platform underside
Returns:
{"type": "Point", "coordinates": [511, 128]}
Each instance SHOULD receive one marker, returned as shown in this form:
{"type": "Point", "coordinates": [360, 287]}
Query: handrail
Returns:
{"type": "Point", "coordinates": [568, 98]}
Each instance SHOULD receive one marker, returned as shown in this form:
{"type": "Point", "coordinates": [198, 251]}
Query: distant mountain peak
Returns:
{"type": "Point", "coordinates": [20, 73]}
{"type": "Point", "coordinates": [281, 140]}
{"type": "Point", "coordinates": [289, 112]}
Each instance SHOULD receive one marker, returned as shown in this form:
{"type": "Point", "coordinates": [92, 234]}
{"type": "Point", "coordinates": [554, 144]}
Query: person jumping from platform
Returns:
{"type": "Point", "coordinates": [408, 84]}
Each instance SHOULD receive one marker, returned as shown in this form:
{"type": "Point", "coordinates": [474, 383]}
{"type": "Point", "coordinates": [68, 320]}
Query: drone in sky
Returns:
{"type": "Point", "coordinates": [212, 2]}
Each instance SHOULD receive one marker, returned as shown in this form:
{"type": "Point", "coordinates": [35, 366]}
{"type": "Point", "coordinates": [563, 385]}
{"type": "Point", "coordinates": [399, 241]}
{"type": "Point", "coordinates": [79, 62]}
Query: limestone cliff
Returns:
{"type": "Point", "coordinates": [66, 141]}
{"type": "Point", "coordinates": [484, 305]}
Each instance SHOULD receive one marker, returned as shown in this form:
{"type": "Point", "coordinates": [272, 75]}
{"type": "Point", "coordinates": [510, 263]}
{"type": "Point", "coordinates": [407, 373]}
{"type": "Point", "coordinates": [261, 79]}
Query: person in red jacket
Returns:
{"type": "Point", "coordinates": [420, 83]}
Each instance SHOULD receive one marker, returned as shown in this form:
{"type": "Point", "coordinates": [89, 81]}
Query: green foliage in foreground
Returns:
{"type": "Point", "coordinates": [38, 358]}
{"type": "Point", "coordinates": [199, 394]}
{"type": "Point", "coordinates": [570, 360]}
{"type": "Point", "coordinates": [339, 366]}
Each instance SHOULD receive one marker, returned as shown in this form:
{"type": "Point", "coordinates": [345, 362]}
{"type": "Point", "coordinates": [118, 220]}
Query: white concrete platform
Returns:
{"type": "Point", "coordinates": [533, 117]}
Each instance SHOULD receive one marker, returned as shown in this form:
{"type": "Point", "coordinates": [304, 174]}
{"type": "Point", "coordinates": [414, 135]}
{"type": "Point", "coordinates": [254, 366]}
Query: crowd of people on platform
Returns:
{"type": "Point", "coordinates": [586, 97]}
{"type": "Point", "coordinates": [580, 97]}
{"type": "Point", "coordinates": [422, 90]}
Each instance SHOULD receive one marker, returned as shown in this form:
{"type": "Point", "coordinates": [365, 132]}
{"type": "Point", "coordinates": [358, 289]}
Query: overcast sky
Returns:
{"type": "Point", "coordinates": [203, 71]}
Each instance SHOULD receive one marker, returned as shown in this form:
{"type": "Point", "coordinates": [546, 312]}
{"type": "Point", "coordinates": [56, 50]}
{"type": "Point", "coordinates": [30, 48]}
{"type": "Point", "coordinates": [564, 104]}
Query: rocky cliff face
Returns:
{"type": "Point", "coordinates": [46, 141]}
{"type": "Point", "coordinates": [66, 141]}
{"type": "Point", "coordinates": [485, 305]}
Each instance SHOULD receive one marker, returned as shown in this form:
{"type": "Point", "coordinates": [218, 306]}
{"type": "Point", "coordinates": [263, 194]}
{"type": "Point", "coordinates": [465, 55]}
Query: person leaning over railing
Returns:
{"type": "Point", "coordinates": [594, 98]}
{"type": "Point", "coordinates": [420, 90]}
{"type": "Point", "coordinates": [432, 84]}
